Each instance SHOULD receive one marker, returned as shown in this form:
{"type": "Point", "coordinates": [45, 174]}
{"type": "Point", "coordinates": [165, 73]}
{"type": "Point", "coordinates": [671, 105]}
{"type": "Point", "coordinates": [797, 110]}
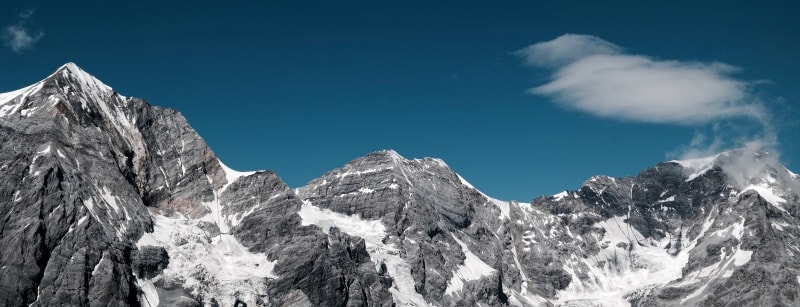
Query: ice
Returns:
{"type": "Point", "coordinates": [723, 268]}
{"type": "Point", "coordinates": [698, 166]}
{"type": "Point", "coordinates": [473, 269]}
{"type": "Point", "coordinates": [7, 105]}
{"type": "Point", "coordinates": [149, 296]}
{"type": "Point", "coordinates": [694, 294]}
{"type": "Point", "coordinates": [373, 232]}
{"type": "Point", "coordinates": [668, 199]}
{"type": "Point", "coordinates": [465, 182]}
{"type": "Point", "coordinates": [560, 196]}
{"type": "Point", "coordinates": [769, 195]}
{"type": "Point", "coordinates": [350, 172]}
{"type": "Point", "coordinates": [9, 96]}
{"type": "Point", "coordinates": [504, 206]}
{"type": "Point", "coordinates": [85, 77]}
{"type": "Point", "coordinates": [362, 190]}
{"type": "Point", "coordinates": [741, 257]}
{"type": "Point", "coordinates": [108, 102]}
{"type": "Point", "coordinates": [29, 112]}
{"type": "Point", "coordinates": [89, 204]}
{"type": "Point", "coordinates": [365, 190]}
{"type": "Point", "coordinates": [164, 173]}
{"type": "Point", "coordinates": [230, 260]}
{"type": "Point", "coordinates": [219, 266]}
{"type": "Point", "coordinates": [46, 150]}
{"type": "Point", "coordinates": [623, 271]}
{"type": "Point", "coordinates": [394, 155]}
{"type": "Point", "coordinates": [726, 264]}
{"type": "Point", "coordinates": [231, 175]}
{"type": "Point", "coordinates": [82, 220]}
{"type": "Point", "coordinates": [517, 297]}
{"type": "Point", "coordinates": [97, 266]}
{"type": "Point", "coordinates": [735, 230]}
{"type": "Point", "coordinates": [111, 200]}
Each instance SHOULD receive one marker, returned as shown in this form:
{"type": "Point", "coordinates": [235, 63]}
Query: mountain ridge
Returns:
{"type": "Point", "coordinates": [111, 201]}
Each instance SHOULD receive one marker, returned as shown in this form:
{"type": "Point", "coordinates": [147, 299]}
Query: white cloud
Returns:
{"type": "Point", "coordinates": [19, 37]}
{"type": "Point", "coordinates": [566, 49]}
{"type": "Point", "coordinates": [729, 135]}
{"type": "Point", "coordinates": [700, 147]}
{"type": "Point", "coordinates": [596, 76]}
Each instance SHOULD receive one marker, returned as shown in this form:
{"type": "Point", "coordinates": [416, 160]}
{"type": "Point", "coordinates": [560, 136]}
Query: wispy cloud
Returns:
{"type": "Point", "coordinates": [725, 136]}
{"type": "Point", "coordinates": [566, 49]}
{"type": "Point", "coordinates": [19, 36]}
{"type": "Point", "coordinates": [595, 76]}
{"type": "Point", "coordinates": [599, 77]}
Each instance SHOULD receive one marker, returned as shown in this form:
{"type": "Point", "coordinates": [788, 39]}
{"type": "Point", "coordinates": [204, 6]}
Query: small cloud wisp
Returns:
{"type": "Point", "coordinates": [19, 37]}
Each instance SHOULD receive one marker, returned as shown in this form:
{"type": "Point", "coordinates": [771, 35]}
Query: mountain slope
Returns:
{"type": "Point", "coordinates": [107, 200]}
{"type": "Point", "coordinates": [681, 233]}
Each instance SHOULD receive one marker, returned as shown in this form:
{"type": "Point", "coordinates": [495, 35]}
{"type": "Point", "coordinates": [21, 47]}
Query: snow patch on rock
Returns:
{"type": "Point", "coordinates": [560, 196]}
{"type": "Point", "coordinates": [473, 268]}
{"type": "Point", "coordinates": [373, 232]}
{"type": "Point", "coordinates": [628, 262]}
{"type": "Point", "coordinates": [767, 194]}
{"type": "Point", "coordinates": [698, 166]}
{"type": "Point", "coordinates": [504, 206]}
{"type": "Point", "coordinates": [214, 266]}
{"type": "Point", "coordinates": [11, 102]}
{"type": "Point", "coordinates": [84, 77]}
{"type": "Point", "coordinates": [231, 175]}
{"type": "Point", "coordinates": [149, 296]}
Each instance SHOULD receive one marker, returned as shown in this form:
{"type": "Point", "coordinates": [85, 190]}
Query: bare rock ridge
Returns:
{"type": "Point", "coordinates": [109, 201]}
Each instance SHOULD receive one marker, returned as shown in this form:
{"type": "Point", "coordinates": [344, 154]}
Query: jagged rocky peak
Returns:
{"type": "Point", "coordinates": [716, 218]}
{"type": "Point", "coordinates": [109, 201]}
{"type": "Point", "coordinates": [390, 159]}
{"type": "Point", "coordinates": [72, 72]}
{"type": "Point", "coordinates": [747, 169]}
{"type": "Point", "coordinates": [392, 181]}
{"type": "Point", "coordinates": [751, 163]}
{"type": "Point", "coordinates": [418, 219]}
{"type": "Point", "coordinates": [71, 194]}
{"type": "Point", "coordinates": [67, 81]}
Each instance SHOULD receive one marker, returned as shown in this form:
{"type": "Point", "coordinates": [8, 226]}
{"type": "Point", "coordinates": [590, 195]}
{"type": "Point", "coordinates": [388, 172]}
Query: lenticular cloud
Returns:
{"type": "Point", "coordinates": [598, 77]}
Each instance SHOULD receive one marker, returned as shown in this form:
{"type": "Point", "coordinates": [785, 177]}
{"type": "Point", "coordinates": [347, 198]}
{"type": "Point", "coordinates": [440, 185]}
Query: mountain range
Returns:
{"type": "Point", "coordinates": [106, 200]}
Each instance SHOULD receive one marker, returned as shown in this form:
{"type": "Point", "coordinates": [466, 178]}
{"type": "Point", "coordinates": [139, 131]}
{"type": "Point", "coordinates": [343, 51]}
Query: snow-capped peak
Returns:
{"type": "Point", "coordinates": [9, 102]}
{"type": "Point", "coordinates": [747, 169]}
{"type": "Point", "coordinates": [698, 166]}
{"type": "Point", "coordinates": [231, 175]}
{"type": "Point", "coordinates": [82, 76]}
{"type": "Point", "coordinates": [391, 153]}
{"type": "Point", "coordinates": [15, 101]}
{"type": "Point", "coordinates": [744, 165]}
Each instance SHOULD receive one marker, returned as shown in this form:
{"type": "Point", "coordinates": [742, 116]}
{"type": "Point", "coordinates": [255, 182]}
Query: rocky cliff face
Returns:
{"type": "Point", "coordinates": [107, 200]}
{"type": "Point", "coordinates": [681, 233]}
{"type": "Point", "coordinates": [110, 201]}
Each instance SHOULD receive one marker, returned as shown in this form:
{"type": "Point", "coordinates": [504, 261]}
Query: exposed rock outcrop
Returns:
{"type": "Point", "coordinates": [108, 201]}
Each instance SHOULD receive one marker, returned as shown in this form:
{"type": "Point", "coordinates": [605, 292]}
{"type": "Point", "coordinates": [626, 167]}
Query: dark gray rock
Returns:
{"type": "Point", "coordinates": [86, 171]}
{"type": "Point", "coordinates": [149, 261]}
{"type": "Point", "coordinates": [108, 201]}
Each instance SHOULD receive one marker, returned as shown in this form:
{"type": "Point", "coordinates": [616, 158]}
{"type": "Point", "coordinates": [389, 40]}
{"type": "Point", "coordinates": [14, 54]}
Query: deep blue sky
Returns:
{"type": "Point", "coordinates": [303, 87]}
